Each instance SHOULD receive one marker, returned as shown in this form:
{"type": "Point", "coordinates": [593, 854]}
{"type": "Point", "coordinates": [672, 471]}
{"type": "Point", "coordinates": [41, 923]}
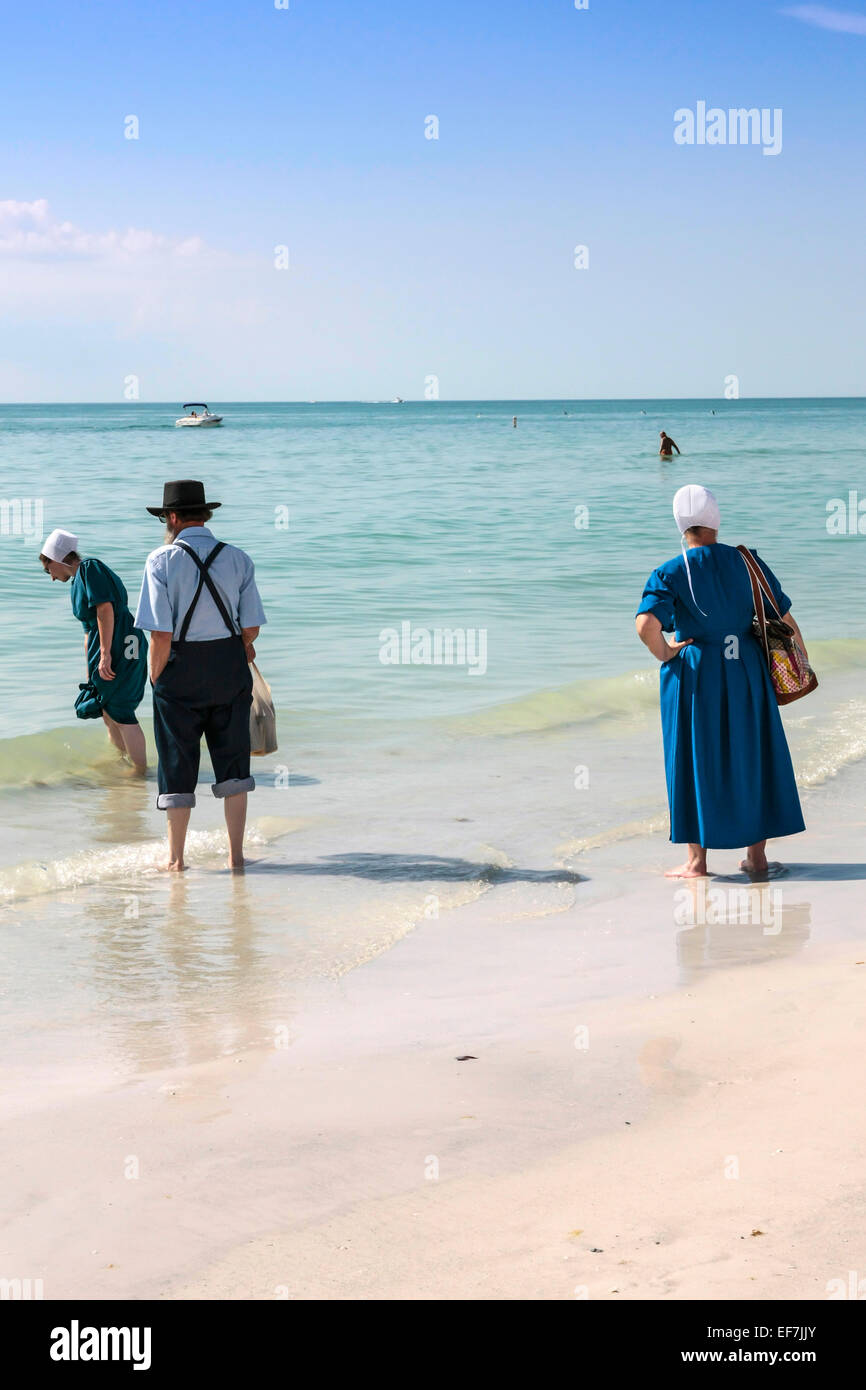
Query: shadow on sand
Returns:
{"type": "Point", "coordinates": [415, 868]}
{"type": "Point", "coordinates": [813, 873]}
{"type": "Point", "coordinates": [830, 873]}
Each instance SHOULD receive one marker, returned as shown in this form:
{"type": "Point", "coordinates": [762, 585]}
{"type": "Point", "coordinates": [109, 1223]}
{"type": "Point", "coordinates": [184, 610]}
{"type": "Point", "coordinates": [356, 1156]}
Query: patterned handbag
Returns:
{"type": "Point", "coordinates": [790, 672]}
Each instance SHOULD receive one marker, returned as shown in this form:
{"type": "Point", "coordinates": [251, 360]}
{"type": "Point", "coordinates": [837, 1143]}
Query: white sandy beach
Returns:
{"type": "Point", "coordinates": [702, 1139]}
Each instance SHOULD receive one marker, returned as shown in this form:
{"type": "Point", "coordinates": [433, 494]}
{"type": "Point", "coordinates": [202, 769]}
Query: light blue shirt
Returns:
{"type": "Point", "coordinates": [171, 579]}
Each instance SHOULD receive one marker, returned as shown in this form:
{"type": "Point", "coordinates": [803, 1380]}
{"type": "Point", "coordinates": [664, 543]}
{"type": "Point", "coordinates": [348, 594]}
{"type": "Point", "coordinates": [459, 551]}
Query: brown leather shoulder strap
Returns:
{"type": "Point", "coordinates": [754, 580]}
{"type": "Point", "coordinates": [755, 569]}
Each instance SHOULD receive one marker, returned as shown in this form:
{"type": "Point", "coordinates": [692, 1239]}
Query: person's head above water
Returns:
{"type": "Point", "coordinates": [59, 555]}
{"type": "Point", "coordinates": [663, 434]}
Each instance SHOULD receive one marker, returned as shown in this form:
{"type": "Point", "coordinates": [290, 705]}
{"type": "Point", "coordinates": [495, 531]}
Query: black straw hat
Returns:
{"type": "Point", "coordinates": [185, 494]}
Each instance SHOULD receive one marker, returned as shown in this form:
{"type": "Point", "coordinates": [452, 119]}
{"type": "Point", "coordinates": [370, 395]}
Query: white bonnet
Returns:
{"type": "Point", "coordinates": [58, 545]}
{"type": "Point", "coordinates": [696, 506]}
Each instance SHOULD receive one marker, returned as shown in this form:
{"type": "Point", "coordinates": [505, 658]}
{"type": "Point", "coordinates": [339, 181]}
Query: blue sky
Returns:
{"type": "Point", "coordinates": [411, 257]}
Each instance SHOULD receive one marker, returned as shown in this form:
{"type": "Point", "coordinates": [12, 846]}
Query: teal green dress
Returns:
{"type": "Point", "coordinates": [95, 583]}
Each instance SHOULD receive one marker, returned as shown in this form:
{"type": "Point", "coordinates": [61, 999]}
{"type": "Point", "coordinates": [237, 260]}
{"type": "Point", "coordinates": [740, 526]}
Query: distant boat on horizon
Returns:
{"type": "Point", "coordinates": [193, 419]}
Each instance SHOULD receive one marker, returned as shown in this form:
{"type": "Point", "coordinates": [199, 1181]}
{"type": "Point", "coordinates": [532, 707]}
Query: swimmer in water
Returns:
{"type": "Point", "coordinates": [514, 421]}
{"type": "Point", "coordinates": [667, 445]}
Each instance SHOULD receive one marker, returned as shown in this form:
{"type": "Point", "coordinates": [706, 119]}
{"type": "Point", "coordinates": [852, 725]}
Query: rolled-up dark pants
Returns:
{"type": "Point", "coordinates": [204, 691]}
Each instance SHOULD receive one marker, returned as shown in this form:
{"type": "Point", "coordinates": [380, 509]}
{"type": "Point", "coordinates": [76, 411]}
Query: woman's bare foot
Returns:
{"type": "Point", "coordinates": [237, 866]}
{"type": "Point", "coordinates": [755, 861]}
{"type": "Point", "coordinates": [694, 867]}
{"type": "Point", "coordinates": [772, 869]}
{"type": "Point", "coordinates": [688, 870]}
{"type": "Point", "coordinates": [173, 866]}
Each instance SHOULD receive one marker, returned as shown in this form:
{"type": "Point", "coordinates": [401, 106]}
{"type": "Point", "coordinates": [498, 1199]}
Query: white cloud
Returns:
{"type": "Point", "coordinates": [30, 231]}
{"type": "Point", "coordinates": [840, 21]}
{"type": "Point", "coordinates": [87, 308]}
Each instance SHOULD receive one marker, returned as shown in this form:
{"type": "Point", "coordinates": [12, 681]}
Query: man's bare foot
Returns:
{"type": "Point", "coordinates": [691, 869]}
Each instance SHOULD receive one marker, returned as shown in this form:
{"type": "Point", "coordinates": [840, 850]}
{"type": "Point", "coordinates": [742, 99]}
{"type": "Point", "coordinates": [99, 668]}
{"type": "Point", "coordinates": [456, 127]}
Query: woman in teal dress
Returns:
{"type": "Point", "coordinates": [729, 775]}
{"type": "Point", "coordinates": [116, 649]}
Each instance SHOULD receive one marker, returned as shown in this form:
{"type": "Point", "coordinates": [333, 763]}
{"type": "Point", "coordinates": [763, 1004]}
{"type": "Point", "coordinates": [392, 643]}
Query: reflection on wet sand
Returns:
{"type": "Point", "coordinates": [737, 924]}
{"type": "Point", "coordinates": [118, 814]}
{"type": "Point", "coordinates": [177, 985]}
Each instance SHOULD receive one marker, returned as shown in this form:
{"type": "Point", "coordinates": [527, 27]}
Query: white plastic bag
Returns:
{"type": "Point", "coordinates": [263, 718]}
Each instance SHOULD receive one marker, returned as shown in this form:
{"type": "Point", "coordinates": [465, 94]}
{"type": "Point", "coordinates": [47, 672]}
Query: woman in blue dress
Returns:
{"type": "Point", "coordinates": [116, 649]}
{"type": "Point", "coordinates": [729, 775]}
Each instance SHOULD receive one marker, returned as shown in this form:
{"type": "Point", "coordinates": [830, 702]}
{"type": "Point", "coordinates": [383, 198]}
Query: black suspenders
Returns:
{"type": "Point", "coordinates": [205, 579]}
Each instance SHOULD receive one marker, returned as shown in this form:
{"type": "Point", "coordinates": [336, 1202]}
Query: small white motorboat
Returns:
{"type": "Point", "coordinates": [206, 418]}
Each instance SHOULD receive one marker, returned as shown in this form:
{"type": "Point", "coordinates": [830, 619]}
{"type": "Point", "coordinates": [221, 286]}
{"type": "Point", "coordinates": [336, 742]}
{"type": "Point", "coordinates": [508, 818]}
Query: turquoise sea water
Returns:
{"type": "Point", "coordinates": [398, 791]}
{"type": "Point", "coordinates": [437, 514]}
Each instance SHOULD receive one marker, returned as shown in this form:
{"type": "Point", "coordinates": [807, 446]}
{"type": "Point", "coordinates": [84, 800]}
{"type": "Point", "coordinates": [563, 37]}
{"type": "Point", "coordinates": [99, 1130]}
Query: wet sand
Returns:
{"type": "Point", "coordinates": [660, 1099]}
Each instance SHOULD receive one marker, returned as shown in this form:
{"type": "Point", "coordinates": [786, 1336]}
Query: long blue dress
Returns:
{"type": "Point", "coordinates": [95, 583]}
{"type": "Point", "coordinates": [729, 774]}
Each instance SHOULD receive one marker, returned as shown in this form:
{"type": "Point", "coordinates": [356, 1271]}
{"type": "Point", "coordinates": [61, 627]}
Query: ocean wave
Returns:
{"type": "Point", "coordinates": [81, 755]}
{"type": "Point", "coordinates": [627, 830]}
{"type": "Point", "coordinates": [623, 697]}
{"type": "Point", "coordinates": [543, 711]}
{"type": "Point", "coordinates": [821, 750]}
{"type": "Point", "coordinates": [832, 745]}
{"type": "Point", "coordinates": [34, 878]}
{"type": "Point", "coordinates": [78, 755]}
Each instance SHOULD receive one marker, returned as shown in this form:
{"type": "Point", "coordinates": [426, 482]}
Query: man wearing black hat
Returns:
{"type": "Point", "coordinates": [200, 603]}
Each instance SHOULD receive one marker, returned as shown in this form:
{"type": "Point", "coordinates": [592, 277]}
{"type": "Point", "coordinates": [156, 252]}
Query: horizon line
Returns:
{"type": "Point", "coordinates": [456, 400]}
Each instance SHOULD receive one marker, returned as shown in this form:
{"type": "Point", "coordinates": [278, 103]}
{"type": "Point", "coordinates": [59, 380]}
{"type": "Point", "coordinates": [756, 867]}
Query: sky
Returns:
{"type": "Point", "coordinates": [414, 265]}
